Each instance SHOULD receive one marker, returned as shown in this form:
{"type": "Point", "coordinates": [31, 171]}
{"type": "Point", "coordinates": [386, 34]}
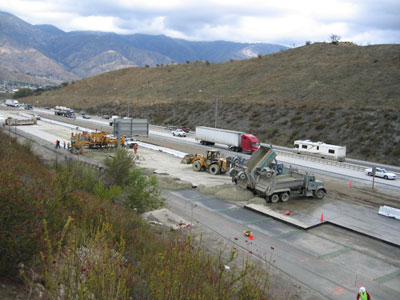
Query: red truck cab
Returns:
{"type": "Point", "coordinates": [249, 143]}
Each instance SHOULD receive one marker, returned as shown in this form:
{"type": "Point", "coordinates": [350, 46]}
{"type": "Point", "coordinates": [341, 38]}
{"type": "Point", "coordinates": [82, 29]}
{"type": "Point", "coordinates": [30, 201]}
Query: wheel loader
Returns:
{"type": "Point", "coordinates": [212, 162]}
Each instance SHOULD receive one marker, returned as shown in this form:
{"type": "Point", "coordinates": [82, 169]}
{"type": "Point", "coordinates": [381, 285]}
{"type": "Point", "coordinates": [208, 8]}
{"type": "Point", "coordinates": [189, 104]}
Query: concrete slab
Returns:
{"type": "Point", "coordinates": [370, 267]}
{"type": "Point", "coordinates": [313, 244]}
{"type": "Point", "coordinates": [361, 219]}
{"type": "Point", "coordinates": [279, 216]}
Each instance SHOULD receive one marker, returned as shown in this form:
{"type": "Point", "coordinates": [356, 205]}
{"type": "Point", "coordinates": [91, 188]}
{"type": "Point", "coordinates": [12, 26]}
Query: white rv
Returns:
{"type": "Point", "coordinates": [320, 149]}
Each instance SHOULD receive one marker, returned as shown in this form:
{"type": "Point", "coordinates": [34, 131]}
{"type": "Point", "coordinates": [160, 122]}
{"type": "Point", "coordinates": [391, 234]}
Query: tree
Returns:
{"type": "Point", "coordinates": [334, 39]}
{"type": "Point", "coordinates": [22, 93]}
{"type": "Point", "coordinates": [142, 192]}
{"type": "Point", "coordinates": [118, 168]}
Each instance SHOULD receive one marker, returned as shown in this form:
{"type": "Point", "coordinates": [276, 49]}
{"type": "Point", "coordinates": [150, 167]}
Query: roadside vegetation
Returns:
{"type": "Point", "coordinates": [73, 232]}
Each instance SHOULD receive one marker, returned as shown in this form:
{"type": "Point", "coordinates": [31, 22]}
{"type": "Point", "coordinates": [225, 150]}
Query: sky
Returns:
{"type": "Point", "coordinates": [286, 22]}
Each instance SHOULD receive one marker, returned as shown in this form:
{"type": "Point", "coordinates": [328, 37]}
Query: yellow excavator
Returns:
{"type": "Point", "coordinates": [212, 162]}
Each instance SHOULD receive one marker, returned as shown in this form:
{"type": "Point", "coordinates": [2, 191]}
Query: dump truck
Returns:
{"type": "Point", "coordinates": [273, 181]}
{"type": "Point", "coordinates": [236, 141]}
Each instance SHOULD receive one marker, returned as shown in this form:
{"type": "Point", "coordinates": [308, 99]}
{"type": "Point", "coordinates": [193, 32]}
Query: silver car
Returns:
{"type": "Point", "coordinates": [179, 132]}
{"type": "Point", "coordinates": [380, 172]}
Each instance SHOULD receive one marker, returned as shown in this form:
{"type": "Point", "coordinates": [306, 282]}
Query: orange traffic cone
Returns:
{"type": "Point", "coordinates": [287, 213]}
{"type": "Point", "coordinates": [322, 217]}
{"type": "Point", "coordinates": [350, 184]}
{"type": "Point", "coordinates": [251, 237]}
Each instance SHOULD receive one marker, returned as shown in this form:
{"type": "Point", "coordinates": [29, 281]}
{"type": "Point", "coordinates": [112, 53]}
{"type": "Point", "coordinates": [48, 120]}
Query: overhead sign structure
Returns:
{"type": "Point", "coordinates": [131, 127]}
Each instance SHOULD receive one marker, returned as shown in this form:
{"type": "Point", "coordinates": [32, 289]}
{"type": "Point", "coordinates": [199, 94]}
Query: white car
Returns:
{"type": "Point", "coordinates": [130, 142]}
{"type": "Point", "coordinates": [380, 172]}
{"type": "Point", "coordinates": [178, 132]}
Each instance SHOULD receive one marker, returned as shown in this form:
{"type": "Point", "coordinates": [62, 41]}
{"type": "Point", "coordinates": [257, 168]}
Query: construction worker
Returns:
{"type": "Point", "coordinates": [57, 144]}
{"type": "Point", "coordinates": [135, 148]}
{"type": "Point", "coordinates": [65, 144]}
{"type": "Point", "coordinates": [363, 294]}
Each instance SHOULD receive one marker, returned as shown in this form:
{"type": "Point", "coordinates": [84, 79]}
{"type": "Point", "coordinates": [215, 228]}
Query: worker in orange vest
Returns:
{"type": "Point", "coordinates": [135, 148]}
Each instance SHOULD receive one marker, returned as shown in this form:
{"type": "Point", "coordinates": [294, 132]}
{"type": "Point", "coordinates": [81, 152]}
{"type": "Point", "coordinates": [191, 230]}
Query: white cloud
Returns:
{"type": "Point", "coordinates": [271, 21]}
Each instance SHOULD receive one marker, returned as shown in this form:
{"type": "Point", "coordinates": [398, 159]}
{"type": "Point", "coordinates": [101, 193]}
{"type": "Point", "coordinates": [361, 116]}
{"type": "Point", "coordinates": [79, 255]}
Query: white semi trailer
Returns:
{"type": "Point", "coordinates": [235, 140]}
{"type": "Point", "coordinates": [12, 103]}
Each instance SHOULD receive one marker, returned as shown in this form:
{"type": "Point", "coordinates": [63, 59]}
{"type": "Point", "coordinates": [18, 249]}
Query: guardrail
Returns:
{"type": "Point", "coordinates": [328, 162]}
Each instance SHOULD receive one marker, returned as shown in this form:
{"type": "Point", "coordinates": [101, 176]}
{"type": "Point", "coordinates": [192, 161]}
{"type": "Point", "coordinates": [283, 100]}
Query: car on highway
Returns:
{"type": "Point", "coordinates": [171, 128]}
{"type": "Point", "coordinates": [130, 142]}
{"type": "Point", "coordinates": [179, 132]}
{"type": "Point", "coordinates": [86, 116]}
{"type": "Point", "coordinates": [380, 172]}
{"type": "Point", "coordinates": [184, 129]}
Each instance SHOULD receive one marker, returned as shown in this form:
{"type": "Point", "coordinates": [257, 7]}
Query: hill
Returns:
{"type": "Point", "coordinates": [342, 94]}
{"type": "Point", "coordinates": [49, 54]}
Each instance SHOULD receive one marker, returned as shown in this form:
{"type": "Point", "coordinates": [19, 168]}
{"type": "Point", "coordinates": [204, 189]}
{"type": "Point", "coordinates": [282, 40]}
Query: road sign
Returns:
{"type": "Point", "coordinates": [130, 127]}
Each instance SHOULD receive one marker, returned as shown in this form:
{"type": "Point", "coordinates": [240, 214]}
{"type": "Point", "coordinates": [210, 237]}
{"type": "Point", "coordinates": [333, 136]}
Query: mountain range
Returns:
{"type": "Point", "coordinates": [44, 54]}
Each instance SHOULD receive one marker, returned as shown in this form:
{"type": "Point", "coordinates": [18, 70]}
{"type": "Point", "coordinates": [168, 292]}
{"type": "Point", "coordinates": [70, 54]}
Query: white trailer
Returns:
{"type": "Point", "coordinates": [320, 149]}
{"type": "Point", "coordinates": [12, 103]}
{"type": "Point", "coordinates": [235, 140]}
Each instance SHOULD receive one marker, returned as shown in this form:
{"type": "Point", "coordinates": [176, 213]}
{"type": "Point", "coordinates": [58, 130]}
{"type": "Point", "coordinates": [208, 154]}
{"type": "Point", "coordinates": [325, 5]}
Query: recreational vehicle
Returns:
{"type": "Point", "coordinates": [320, 149]}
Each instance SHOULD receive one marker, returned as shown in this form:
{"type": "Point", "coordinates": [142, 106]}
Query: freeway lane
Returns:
{"type": "Point", "coordinates": [159, 135]}
{"type": "Point", "coordinates": [332, 267]}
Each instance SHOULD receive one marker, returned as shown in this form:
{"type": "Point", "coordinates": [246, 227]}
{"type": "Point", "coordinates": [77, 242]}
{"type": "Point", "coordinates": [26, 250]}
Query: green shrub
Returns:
{"type": "Point", "coordinates": [118, 167]}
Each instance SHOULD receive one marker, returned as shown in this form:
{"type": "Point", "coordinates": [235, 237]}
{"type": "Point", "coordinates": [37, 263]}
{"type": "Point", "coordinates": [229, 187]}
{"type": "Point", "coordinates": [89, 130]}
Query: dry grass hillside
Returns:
{"type": "Point", "coordinates": [343, 94]}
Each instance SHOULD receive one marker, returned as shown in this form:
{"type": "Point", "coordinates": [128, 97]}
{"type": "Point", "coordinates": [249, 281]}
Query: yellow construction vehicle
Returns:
{"type": "Point", "coordinates": [93, 140]}
{"type": "Point", "coordinates": [212, 162]}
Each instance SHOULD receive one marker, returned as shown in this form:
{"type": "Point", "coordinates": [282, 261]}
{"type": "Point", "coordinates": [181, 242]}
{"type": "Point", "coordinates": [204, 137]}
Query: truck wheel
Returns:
{"type": "Point", "coordinates": [214, 169]}
{"type": "Point", "coordinates": [236, 162]}
{"type": "Point", "coordinates": [242, 176]}
{"type": "Point", "coordinates": [369, 174]}
{"type": "Point", "coordinates": [319, 194]}
{"type": "Point", "coordinates": [196, 166]}
{"type": "Point", "coordinates": [285, 197]}
{"type": "Point", "coordinates": [274, 198]}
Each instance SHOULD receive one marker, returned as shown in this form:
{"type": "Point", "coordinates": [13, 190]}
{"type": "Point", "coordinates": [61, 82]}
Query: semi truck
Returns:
{"type": "Point", "coordinates": [12, 103]}
{"type": "Point", "coordinates": [262, 176]}
{"type": "Point", "coordinates": [18, 122]}
{"type": "Point", "coordinates": [64, 111]}
{"type": "Point", "coordinates": [236, 141]}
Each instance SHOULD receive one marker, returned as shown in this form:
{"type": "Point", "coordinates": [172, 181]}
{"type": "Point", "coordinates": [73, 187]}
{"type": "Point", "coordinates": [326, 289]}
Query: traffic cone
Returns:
{"type": "Point", "coordinates": [287, 213]}
{"type": "Point", "coordinates": [322, 217]}
{"type": "Point", "coordinates": [251, 237]}
{"type": "Point", "coordinates": [350, 184]}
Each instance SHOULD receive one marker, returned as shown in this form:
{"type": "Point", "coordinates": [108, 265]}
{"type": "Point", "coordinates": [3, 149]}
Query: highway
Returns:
{"type": "Point", "coordinates": [331, 261]}
{"type": "Point", "coordinates": [351, 170]}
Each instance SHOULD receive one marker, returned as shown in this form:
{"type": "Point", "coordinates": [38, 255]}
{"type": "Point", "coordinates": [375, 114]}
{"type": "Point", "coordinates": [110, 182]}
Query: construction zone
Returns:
{"type": "Point", "coordinates": [93, 140]}
{"type": "Point", "coordinates": [324, 243]}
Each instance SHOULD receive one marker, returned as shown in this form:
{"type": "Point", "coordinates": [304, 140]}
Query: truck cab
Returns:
{"type": "Point", "coordinates": [249, 143]}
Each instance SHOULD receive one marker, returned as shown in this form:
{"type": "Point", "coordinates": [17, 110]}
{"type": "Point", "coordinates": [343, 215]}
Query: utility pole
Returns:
{"type": "Point", "coordinates": [216, 105]}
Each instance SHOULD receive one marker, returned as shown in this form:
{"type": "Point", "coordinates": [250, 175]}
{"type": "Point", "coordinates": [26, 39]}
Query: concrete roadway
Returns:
{"type": "Point", "coordinates": [330, 260]}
